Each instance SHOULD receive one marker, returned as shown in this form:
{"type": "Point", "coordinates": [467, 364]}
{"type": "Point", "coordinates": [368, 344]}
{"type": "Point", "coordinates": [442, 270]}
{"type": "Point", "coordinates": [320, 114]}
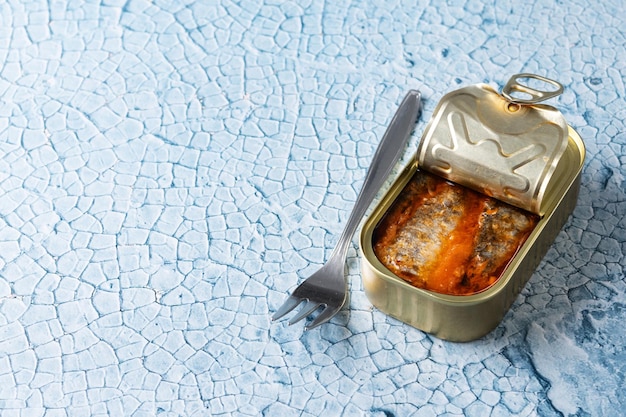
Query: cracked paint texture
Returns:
{"type": "Point", "coordinates": [169, 171]}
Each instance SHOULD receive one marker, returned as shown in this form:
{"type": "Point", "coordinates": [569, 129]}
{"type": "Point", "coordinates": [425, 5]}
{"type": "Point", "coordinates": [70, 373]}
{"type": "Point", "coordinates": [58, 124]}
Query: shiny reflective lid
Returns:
{"type": "Point", "coordinates": [504, 145]}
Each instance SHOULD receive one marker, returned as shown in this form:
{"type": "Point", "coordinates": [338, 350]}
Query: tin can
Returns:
{"type": "Point", "coordinates": [506, 146]}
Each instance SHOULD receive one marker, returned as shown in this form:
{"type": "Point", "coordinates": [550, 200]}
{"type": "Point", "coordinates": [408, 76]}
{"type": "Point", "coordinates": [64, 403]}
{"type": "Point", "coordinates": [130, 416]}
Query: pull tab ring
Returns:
{"type": "Point", "coordinates": [535, 96]}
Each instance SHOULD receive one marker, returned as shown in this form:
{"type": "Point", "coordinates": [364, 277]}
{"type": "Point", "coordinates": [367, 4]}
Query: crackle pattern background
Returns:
{"type": "Point", "coordinates": [169, 170]}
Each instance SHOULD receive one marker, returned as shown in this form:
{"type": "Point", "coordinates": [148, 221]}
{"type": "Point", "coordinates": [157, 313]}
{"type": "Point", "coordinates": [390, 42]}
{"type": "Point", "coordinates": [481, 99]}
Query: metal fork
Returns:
{"type": "Point", "coordinates": [327, 287]}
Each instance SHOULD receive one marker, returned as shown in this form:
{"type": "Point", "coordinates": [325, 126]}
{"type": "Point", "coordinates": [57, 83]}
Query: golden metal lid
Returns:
{"type": "Point", "coordinates": [504, 145]}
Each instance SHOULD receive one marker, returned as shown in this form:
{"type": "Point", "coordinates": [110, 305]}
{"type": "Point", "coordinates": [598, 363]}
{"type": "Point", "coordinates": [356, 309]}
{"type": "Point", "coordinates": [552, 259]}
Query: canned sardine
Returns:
{"type": "Point", "coordinates": [447, 238]}
{"type": "Point", "coordinates": [455, 239]}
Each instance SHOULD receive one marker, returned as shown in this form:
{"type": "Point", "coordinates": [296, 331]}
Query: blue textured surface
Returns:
{"type": "Point", "coordinates": [168, 172]}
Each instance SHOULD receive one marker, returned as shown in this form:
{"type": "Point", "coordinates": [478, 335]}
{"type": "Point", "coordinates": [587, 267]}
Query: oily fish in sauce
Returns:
{"type": "Point", "coordinates": [446, 238]}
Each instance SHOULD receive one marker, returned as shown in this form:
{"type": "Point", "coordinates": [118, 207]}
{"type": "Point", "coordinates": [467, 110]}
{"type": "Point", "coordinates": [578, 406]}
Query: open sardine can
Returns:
{"type": "Point", "coordinates": [462, 229]}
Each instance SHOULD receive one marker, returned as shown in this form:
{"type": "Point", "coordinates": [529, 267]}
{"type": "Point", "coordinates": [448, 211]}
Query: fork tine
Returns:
{"type": "Point", "coordinates": [323, 317]}
{"type": "Point", "coordinates": [289, 304]}
{"type": "Point", "coordinates": [308, 308]}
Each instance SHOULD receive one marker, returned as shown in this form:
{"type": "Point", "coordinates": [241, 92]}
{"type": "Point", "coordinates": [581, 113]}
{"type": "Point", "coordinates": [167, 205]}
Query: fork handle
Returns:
{"type": "Point", "coordinates": [387, 154]}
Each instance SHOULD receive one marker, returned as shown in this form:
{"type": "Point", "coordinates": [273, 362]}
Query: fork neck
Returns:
{"type": "Point", "coordinates": [388, 151]}
{"type": "Point", "coordinates": [343, 244]}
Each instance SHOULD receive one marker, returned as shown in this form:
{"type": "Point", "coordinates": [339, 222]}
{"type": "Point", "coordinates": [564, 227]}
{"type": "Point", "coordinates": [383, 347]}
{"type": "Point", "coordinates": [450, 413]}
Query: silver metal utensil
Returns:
{"type": "Point", "coordinates": [327, 287]}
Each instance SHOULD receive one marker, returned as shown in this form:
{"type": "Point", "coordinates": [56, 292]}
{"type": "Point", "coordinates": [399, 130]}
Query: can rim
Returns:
{"type": "Point", "coordinates": [368, 256]}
